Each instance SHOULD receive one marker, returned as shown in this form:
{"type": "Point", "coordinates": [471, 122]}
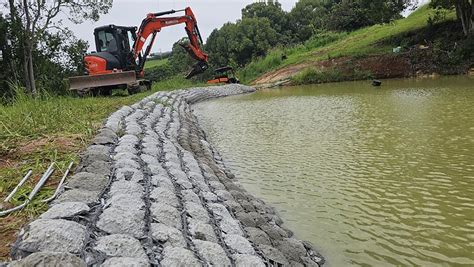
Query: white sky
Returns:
{"type": "Point", "coordinates": [210, 14]}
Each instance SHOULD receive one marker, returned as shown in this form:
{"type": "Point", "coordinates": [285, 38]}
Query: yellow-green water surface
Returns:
{"type": "Point", "coordinates": [371, 176]}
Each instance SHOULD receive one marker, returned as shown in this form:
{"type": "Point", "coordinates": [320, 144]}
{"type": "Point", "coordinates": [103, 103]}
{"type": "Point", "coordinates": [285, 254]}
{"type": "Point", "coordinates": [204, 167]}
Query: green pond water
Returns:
{"type": "Point", "coordinates": [371, 176]}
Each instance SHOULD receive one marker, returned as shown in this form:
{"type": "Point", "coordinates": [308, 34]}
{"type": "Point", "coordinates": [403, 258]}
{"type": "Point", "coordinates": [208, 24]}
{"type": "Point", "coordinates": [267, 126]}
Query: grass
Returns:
{"type": "Point", "coordinates": [36, 132]}
{"type": "Point", "coordinates": [356, 44]}
{"type": "Point", "coordinates": [155, 62]}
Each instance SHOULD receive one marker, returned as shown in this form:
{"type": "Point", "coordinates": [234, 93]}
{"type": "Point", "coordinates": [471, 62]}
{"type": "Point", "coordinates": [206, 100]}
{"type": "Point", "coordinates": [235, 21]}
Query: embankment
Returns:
{"type": "Point", "coordinates": [151, 190]}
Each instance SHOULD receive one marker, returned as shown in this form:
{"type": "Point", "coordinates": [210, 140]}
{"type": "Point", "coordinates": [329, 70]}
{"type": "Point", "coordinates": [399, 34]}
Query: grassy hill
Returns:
{"type": "Point", "coordinates": [155, 63]}
{"type": "Point", "coordinates": [327, 54]}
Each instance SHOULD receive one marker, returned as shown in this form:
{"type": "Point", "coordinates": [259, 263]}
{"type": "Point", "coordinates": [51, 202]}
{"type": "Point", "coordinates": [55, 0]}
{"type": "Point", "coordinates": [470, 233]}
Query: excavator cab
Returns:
{"type": "Point", "coordinates": [224, 75]}
{"type": "Point", "coordinates": [114, 44]}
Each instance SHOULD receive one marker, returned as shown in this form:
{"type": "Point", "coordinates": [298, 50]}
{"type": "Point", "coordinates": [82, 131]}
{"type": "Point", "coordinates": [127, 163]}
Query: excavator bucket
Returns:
{"type": "Point", "coordinates": [198, 68]}
{"type": "Point", "coordinates": [116, 78]}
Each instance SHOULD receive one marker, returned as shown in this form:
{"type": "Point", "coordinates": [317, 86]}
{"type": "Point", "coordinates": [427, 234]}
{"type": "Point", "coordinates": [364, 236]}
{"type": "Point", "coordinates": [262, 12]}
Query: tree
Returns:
{"type": "Point", "coordinates": [32, 22]}
{"type": "Point", "coordinates": [349, 15]}
{"type": "Point", "coordinates": [238, 43]}
{"type": "Point", "coordinates": [308, 17]}
{"type": "Point", "coordinates": [464, 12]}
{"type": "Point", "coordinates": [274, 13]}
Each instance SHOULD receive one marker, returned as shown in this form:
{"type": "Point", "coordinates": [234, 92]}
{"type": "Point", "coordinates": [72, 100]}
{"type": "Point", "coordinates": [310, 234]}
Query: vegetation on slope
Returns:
{"type": "Point", "coordinates": [326, 46]}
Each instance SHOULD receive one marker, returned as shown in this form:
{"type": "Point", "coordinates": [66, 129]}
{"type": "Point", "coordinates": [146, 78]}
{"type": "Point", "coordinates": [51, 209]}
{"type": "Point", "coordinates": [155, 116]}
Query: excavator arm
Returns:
{"type": "Point", "coordinates": [153, 24]}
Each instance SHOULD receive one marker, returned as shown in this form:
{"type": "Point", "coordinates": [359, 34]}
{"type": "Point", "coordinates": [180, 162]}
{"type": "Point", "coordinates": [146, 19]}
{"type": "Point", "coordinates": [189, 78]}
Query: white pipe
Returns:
{"type": "Point", "coordinates": [18, 186]}
{"type": "Point", "coordinates": [60, 184]}
{"type": "Point", "coordinates": [42, 181]}
{"type": "Point", "coordinates": [37, 187]}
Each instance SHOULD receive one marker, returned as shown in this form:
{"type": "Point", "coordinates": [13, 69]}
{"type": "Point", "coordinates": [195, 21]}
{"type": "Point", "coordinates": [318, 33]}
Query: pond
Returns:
{"type": "Point", "coordinates": [372, 176]}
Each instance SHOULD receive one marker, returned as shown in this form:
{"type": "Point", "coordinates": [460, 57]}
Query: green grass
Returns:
{"type": "Point", "coordinates": [357, 44]}
{"type": "Point", "coordinates": [36, 132]}
{"type": "Point", "coordinates": [155, 62]}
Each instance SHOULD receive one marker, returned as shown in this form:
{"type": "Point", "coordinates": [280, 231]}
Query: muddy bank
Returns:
{"type": "Point", "coordinates": [414, 63]}
{"type": "Point", "coordinates": [151, 190]}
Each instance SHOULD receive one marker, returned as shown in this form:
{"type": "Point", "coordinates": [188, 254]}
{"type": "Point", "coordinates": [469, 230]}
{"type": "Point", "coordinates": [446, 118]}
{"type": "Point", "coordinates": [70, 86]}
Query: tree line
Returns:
{"type": "Point", "coordinates": [265, 24]}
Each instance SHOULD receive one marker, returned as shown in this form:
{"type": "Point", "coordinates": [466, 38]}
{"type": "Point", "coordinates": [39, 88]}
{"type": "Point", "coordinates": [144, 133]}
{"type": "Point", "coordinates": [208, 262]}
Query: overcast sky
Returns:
{"type": "Point", "coordinates": [210, 14]}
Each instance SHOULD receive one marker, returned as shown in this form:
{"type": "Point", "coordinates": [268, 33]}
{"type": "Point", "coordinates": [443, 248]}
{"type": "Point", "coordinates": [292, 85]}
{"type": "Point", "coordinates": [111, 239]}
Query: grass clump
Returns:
{"type": "Point", "coordinates": [312, 75]}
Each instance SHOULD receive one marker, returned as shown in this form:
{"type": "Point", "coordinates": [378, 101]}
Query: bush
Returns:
{"type": "Point", "coordinates": [312, 76]}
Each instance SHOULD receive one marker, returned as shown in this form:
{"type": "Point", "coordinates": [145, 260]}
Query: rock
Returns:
{"type": "Point", "coordinates": [202, 231]}
{"type": "Point", "coordinates": [129, 174]}
{"type": "Point", "coordinates": [293, 249]}
{"type": "Point", "coordinates": [178, 257]}
{"type": "Point", "coordinates": [226, 222]}
{"type": "Point", "coordinates": [239, 244]}
{"type": "Point", "coordinates": [246, 219]}
{"type": "Point", "coordinates": [165, 196]}
{"type": "Point", "coordinates": [273, 254]}
{"type": "Point", "coordinates": [190, 196]}
{"type": "Point", "coordinates": [125, 215]}
{"type": "Point", "coordinates": [166, 214]}
{"type": "Point", "coordinates": [126, 187]}
{"type": "Point", "coordinates": [257, 236]}
{"type": "Point", "coordinates": [212, 253]}
{"type": "Point", "coordinates": [169, 235]}
{"type": "Point", "coordinates": [53, 235]}
{"type": "Point", "coordinates": [52, 259]}
{"type": "Point", "coordinates": [88, 181]}
{"type": "Point", "coordinates": [197, 211]}
{"type": "Point", "coordinates": [104, 139]}
{"type": "Point", "coordinates": [65, 210]}
{"type": "Point", "coordinates": [274, 232]}
{"type": "Point", "coordinates": [77, 195]}
{"type": "Point", "coordinates": [247, 261]}
{"type": "Point", "coordinates": [120, 245]}
{"type": "Point", "coordinates": [125, 262]}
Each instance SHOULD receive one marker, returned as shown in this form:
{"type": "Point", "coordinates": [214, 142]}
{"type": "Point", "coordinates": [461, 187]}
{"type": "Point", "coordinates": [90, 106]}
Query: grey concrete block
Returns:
{"type": "Point", "coordinates": [190, 196]}
{"type": "Point", "coordinates": [125, 187]}
{"type": "Point", "coordinates": [165, 196]}
{"type": "Point", "coordinates": [120, 245]}
{"type": "Point", "coordinates": [88, 181]}
{"type": "Point", "coordinates": [247, 261]}
{"type": "Point", "coordinates": [50, 259]}
{"type": "Point", "coordinates": [239, 244]}
{"type": "Point", "coordinates": [166, 214]}
{"type": "Point", "coordinates": [65, 210]}
{"type": "Point", "coordinates": [213, 253]}
{"type": "Point", "coordinates": [202, 231]}
{"type": "Point", "coordinates": [124, 215]}
{"type": "Point", "coordinates": [168, 235]}
{"type": "Point", "coordinates": [53, 235]}
{"type": "Point", "coordinates": [125, 262]}
{"type": "Point", "coordinates": [173, 257]}
{"type": "Point", "coordinates": [273, 254]}
{"type": "Point", "coordinates": [292, 249]}
{"type": "Point", "coordinates": [257, 236]}
{"type": "Point", "coordinates": [196, 211]}
{"type": "Point", "coordinates": [77, 195]}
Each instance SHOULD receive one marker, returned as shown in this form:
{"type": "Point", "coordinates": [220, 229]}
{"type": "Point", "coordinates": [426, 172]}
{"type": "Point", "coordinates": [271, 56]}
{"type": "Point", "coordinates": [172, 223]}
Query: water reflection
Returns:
{"type": "Point", "coordinates": [370, 176]}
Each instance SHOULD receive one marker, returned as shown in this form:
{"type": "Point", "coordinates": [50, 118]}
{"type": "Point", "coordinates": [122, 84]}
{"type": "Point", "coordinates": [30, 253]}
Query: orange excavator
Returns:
{"type": "Point", "coordinates": [119, 60]}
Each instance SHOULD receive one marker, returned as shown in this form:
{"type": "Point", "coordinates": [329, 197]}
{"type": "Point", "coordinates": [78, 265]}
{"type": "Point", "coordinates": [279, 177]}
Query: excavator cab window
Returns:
{"type": "Point", "coordinates": [106, 42]}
